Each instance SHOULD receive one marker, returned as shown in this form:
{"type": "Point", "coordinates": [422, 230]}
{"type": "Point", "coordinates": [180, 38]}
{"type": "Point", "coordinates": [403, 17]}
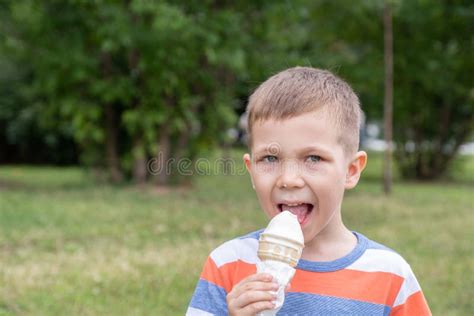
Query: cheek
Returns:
{"type": "Point", "coordinates": [319, 172]}
{"type": "Point", "coordinates": [263, 179]}
{"type": "Point", "coordinates": [328, 188]}
{"type": "Point", "coordinates": [263, 187]}
{"type": "Point", "coordinates": [326, 178]}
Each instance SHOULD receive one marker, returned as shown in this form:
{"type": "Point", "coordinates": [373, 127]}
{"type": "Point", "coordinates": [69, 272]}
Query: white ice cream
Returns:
{"type": "Point", "coordinates": [280, 247]}
{"type": "Point", "coordinates": [287, 226]}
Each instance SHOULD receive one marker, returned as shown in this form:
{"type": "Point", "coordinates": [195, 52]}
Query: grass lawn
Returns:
{"type": "Point", "coordinates": [70, 246]}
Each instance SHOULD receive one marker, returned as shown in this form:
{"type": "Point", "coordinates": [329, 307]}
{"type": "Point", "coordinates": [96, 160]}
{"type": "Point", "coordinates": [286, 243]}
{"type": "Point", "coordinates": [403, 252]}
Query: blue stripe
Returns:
{"type": "Point", "coordinates": [253, 235]}
{"type": "Point", "coordinates": [312, 304]}
{"type": "Point", "coordinates": [363, 243]}
{"type": "Point", "coordinates": [210, 298]}
{"type": "Point", "coordinates": [338, 264]}
{"type": "Point", "coordinates": [375, 245]}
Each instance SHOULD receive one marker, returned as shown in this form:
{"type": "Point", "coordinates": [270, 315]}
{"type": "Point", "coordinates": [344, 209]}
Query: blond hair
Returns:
{"type": "Point", "coordinates": [300, 90]}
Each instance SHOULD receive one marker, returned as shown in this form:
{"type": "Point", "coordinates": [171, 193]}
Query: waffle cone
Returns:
{"type": "Point", "coordinates": [278, 248]}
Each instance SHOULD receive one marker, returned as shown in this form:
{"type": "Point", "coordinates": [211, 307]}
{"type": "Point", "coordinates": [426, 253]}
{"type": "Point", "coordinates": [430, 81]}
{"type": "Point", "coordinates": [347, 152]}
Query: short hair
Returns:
{"type": "Point", "coordinates": [301, 90]}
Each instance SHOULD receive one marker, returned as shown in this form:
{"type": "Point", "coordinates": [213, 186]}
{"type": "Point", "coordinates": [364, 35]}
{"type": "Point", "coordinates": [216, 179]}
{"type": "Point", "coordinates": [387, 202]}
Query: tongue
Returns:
{"type": "Point", "coordinates": [300, 211]}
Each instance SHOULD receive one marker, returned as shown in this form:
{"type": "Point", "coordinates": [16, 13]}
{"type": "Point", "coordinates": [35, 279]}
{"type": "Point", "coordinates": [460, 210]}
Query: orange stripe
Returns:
{"type": "Point", "coordinates": [210, 272]}
{"type": "Point", "coordinates": [351, 284]}
{"type": "Point", "coordinates": [228, 274]}
{"type": "Point", "coordinates": [415, 305]}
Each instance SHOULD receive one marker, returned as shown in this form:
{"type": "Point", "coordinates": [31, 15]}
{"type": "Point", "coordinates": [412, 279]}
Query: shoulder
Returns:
{"type": "Point", "coordinates": [243, 248]}
{"type": "Point", "coordinates": [380, 258]}
{"type": "Point", "coordinates": [407, 297]}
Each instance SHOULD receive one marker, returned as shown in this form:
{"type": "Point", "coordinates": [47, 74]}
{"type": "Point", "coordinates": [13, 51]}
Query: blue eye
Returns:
{"type": "Point", "coordinates": [314, 158]}
{"type": "Point", "coordinates": [269, 158]}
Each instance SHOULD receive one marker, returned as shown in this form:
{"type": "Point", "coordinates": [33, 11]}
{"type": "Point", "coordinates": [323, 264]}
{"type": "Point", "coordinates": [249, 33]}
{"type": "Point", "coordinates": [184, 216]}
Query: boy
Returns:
{"type": "Point", "coordinates": [303, 128]}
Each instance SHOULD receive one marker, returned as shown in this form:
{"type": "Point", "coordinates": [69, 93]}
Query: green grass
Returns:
{"type": "Point", "coordinates": [70, 246]}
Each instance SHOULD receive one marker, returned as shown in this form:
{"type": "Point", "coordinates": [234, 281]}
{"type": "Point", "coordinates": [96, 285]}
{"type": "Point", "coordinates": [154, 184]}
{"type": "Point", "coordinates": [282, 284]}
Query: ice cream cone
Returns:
{"type": "Point", "coordinates": [282, 240]}
{"type": "Point", "coordinates": [279, 249]}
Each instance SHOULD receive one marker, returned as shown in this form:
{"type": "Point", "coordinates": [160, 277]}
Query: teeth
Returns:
{"type": "Point", "coordinates": [294, 204]}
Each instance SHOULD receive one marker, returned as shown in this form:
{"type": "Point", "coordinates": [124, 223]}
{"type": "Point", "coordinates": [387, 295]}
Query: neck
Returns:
{"type": "Point", "coordinates": [330, 244]}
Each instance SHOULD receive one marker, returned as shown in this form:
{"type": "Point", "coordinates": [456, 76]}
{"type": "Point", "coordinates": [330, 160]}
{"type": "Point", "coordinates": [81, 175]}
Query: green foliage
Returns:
{"type": "Point", "coordinates": [433, 84]}
{"type": "Point", "coordinates": [433, 99]}
{"type": "Point", "coordinates": [156, 63]}
{"type": "Point", "coordinates": [137, 70]}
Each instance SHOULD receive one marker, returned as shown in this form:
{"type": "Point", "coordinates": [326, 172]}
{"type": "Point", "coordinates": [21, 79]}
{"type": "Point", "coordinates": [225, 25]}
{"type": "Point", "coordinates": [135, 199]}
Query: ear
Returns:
{"type": "Point", "coordinates": [248, 164]}
{"type": "Point", "coordinates": [247, 161]}
{"type": "Point", "coordinates": [354, 169]}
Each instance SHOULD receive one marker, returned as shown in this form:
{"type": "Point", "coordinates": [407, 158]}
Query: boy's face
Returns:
{"type": "Point", "coordinates": [298, 165]}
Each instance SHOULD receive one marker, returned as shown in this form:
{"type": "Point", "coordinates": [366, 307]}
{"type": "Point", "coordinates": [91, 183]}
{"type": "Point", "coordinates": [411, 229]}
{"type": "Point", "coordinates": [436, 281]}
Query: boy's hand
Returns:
{"type": "Point", "coordinates": [252, 295]}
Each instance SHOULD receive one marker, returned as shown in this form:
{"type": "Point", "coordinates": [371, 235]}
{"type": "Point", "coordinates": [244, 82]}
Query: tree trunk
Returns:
{"type": "Point", "coordinates": [164, 155]}
{"type": "Point", "coordinates": [3, 145]}
{"type": "Point", "coordinates": [388, 97]}
{"type": "Point", "coordinates": [111, 128]}
{"type": "Point", "coordinates": [139, 171]}
{"type": "Point", "coordinates": [111, 144]}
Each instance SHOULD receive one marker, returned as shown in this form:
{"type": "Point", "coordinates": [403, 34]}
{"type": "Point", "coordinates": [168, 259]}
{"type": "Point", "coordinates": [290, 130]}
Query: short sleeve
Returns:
{"type": "Point", "coordinates": [410, 299]}
{"type": "Point", "coordinates": [209, 297]}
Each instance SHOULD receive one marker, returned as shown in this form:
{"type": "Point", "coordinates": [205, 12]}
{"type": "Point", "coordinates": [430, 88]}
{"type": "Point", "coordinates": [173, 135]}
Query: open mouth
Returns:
{"type": "Point", "coordinates": [301, 210]}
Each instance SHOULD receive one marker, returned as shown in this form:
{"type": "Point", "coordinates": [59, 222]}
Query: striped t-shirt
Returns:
{"type": "Point", "coordinates": [371, 280]}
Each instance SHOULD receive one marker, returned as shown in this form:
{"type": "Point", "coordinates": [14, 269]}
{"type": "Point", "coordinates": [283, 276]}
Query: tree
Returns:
{"type": "Point", "coordinates": [388, 96]}
{"type": "Point", "coordinates": [433, 94]}
{"type": "Point", "coordinates": [137, 77]}
{"type": "Point", "coordinates": [24, 138]}
{"type": "Point", "coordinates": [433, 84]}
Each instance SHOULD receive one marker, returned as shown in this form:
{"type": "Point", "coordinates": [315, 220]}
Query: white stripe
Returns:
{"type": "Point", "coordinates": [236, 249]}
{"type": "Point", "coordinates": [379, 260]}
{"type": "Point", "coordinates": [409, 287]}
{"type": "Point", "coordinates": [197, 312]}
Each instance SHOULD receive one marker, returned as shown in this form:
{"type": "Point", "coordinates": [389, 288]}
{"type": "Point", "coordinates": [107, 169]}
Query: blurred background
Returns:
{"type": "Point", "coordinates": [95, 95]}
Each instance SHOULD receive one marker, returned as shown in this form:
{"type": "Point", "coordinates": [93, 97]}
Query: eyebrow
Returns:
{"type": "Point", "coordinates": [267, 149]}
{"type": "Point", "coordinates": [319, 149]}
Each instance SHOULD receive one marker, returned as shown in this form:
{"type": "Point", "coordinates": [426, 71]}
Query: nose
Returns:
{"type": "Point", "coordinates": [290, 176]}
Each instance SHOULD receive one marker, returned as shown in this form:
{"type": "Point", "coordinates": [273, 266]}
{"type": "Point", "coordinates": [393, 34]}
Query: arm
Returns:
{"type": "Point", "coordinates": [215, 293]}
{"type": "Point", "coordinates": [209, 297]}
{"type": "Point", "coordinates": [410, 299]}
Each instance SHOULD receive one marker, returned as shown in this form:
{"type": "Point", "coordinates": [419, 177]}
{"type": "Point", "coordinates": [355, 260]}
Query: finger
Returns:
{"type": "Point", "coordinates": [254, 282]}
{"type": "Point", "coordinates": [263, 277]}
{"type": "Point", "coordinates": [253, 286]}
{"type": "Point", "coordinates": [257, 307]}
{"type": "Point", "coordinates": [236, 304]}
{"type": "Point", "coordinates": [251, 297]}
